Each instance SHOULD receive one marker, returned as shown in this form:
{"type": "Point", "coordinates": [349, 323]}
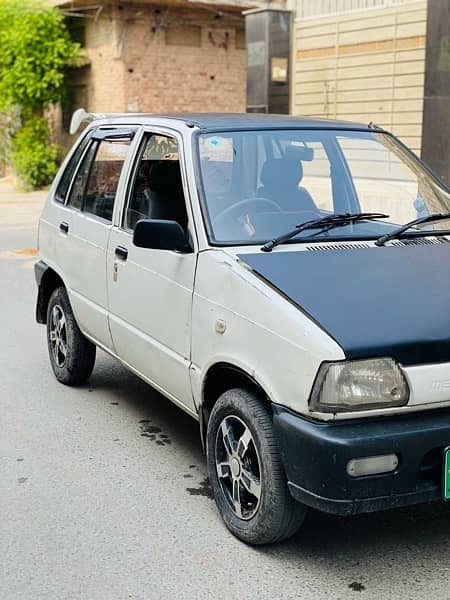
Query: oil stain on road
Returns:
{"type": "Point", "coordinates": [203, 489]}
{"type": "Point", "coordinates": [154, 433]}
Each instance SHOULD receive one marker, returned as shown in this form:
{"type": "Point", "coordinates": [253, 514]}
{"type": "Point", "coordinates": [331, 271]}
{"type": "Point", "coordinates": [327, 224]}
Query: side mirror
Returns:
{"type": "Point", "coordinates": [160, 235]}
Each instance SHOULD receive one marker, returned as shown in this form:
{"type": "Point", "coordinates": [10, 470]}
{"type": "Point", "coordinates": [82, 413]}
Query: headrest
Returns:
{"type": "Point", "coordinates": [165, 176]}
{"type": "Point", "coordinates": [300, 152]}
{"type": "Point", "coordinates": [281, 171]}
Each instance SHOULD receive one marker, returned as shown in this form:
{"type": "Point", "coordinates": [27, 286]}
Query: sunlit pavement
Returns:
{"type": "Point", "coordinates": [103, 490]}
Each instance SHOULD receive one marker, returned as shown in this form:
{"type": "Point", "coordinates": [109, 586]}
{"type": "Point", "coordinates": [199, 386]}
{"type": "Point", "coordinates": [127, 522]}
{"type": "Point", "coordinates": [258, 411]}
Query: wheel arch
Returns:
{"type": "Point", "coordinates": [219, 378]}
{"type": "Point", "coordinates": [47, 280]}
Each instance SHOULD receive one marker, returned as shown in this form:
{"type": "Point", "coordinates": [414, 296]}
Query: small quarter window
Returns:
{"type": "Point", "coordinates": [103, 179]}
{"type": "Point", "coordinates": [67, 176]}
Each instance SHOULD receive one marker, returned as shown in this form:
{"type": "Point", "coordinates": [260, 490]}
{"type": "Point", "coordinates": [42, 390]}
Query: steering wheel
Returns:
{"type": "Point", "coordinates": [230, 211]}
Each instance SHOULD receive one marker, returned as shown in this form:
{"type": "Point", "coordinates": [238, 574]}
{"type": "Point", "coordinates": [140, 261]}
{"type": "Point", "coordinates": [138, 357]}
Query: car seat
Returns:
{"type": "Point", "coordinates": [158, 193]}
{"type": "Point", "coordinates": [165, 194]}
{"type": "Point", "coordinates": [280, 178]}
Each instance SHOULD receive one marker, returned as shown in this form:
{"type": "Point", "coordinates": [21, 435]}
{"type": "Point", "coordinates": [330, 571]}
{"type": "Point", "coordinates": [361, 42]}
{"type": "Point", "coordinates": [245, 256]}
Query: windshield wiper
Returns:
{"type": "Point", "coordinates": [398, 232]}
{"type": "Point", "coordinates": [325, 223]}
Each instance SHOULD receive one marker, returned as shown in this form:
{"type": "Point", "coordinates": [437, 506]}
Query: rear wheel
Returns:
{"type": "Point", "coordinates": [72, 355]}
{"type": "Point", "coordinates": [246, 473]}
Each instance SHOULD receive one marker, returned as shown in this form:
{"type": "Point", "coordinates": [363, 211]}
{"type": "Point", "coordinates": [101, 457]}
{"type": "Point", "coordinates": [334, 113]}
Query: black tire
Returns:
{"type": "Point", "coordinates": [74, 366]}
{"type": "Point", "coordinates": [271, 514]}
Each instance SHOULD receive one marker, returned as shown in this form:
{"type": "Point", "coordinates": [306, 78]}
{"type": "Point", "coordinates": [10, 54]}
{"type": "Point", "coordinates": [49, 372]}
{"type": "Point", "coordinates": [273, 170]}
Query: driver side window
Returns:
{"type": "Point", "coordinates": [157, 191]}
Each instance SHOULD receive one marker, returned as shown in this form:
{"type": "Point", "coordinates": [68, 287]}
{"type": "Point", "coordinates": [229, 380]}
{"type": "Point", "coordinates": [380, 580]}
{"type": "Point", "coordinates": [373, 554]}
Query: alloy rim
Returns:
{"type": "Point", "coordinates": [58, 335]}
{"type": "Point", "coordinates": [238, 467]}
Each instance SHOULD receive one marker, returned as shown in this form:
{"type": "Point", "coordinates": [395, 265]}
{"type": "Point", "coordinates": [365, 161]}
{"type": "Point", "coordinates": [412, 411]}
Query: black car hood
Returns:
{"type": "Point", "coordinates": [378, 301]}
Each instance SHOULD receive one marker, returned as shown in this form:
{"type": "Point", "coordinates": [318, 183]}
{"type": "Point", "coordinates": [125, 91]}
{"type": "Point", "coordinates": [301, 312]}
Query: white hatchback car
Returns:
{"type": "Point", "coordinates": [283, 280]}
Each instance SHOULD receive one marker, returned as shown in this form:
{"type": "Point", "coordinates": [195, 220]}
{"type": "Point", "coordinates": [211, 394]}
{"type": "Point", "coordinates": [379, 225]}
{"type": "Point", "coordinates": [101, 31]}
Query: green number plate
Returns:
{"type": "Point", "coordinates": [447, 474]}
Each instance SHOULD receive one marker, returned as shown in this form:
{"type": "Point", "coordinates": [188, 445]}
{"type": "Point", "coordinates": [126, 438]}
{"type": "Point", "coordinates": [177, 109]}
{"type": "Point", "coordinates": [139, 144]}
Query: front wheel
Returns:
{"type": "Point", "coordinates": [246, 473]}
{"type": "Point", "coordinates": [72, 355]}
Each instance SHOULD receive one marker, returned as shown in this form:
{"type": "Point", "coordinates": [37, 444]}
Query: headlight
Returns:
{"type": "Point", "coordinates": [359, 385]}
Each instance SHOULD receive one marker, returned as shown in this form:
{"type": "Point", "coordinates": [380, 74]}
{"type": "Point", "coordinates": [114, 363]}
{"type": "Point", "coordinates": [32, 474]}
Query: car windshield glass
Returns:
{"type": "Point", "coordinates": [258, 185]}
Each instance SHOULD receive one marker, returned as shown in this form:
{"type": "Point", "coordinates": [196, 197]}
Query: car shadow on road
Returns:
{"type": "Point", "coordinates": [323, 537]}
{"type": "Point", "coordinates": [155, 414]}
{"type": "Point", "coordinates": [376, 552]}
{"type": "Point", "coordinates": [424, 524]}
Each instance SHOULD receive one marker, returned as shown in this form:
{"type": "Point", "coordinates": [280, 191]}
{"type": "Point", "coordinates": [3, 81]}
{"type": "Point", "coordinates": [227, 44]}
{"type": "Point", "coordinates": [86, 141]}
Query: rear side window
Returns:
{"type": "Point", "coordinates": [66, 179]}
{"type": "Point", "coordinates": [95, 185]}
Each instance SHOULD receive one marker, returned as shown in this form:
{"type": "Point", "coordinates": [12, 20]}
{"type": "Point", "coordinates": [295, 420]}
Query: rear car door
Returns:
{"type": "Point", "coordinates": [150, 291]}
{"type": "Point", "coordinates": [91, 200]}
{"type": "Point", "coordinates": [57, 216]}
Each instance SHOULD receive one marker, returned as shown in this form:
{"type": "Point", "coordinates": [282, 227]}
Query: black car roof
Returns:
{"type": "Point", "coordinates": [238, 121]}
{"type": "Point", "coordinates": [214, 121]}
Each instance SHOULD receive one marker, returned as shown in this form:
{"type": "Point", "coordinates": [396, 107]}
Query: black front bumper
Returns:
{"type": "Point", "coordinates": [315, 457]}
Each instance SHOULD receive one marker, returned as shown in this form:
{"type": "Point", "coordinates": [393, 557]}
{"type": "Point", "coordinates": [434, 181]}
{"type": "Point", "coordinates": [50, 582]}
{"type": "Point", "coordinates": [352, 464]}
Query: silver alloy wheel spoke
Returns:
{"type": "Point", "coordinates": [55, 318]}
{"type": "Point", "coordinates": [61, 324]}
{"type": "Point", "coordinates": [223, 469]}
{"type": "Point", "coordinates": [238, 467]}
{"type": "Point", "coordinates": [237, 498]}
{"type": "Point", "coordinates": [251, 483]}
{"type": "Point", "coordinates": [244, 442]}
{"type": "Point", "coordinates": [58, 336]}
{"type": "Point", "coordinates": [227, 441]}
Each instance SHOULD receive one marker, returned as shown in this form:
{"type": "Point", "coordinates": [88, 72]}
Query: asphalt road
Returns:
{"type": "Point", "coordinates": [103, 490]}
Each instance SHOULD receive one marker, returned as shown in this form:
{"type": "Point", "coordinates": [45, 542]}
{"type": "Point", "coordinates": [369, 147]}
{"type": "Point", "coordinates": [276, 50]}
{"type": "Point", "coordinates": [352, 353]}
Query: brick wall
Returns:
{"type": "Point", "coordinates": [155, 59]}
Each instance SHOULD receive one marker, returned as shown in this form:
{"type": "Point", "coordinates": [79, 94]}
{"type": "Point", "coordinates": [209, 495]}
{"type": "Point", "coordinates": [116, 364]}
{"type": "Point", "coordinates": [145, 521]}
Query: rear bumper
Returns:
{"type": "Point", "coordinates": [315, 457]}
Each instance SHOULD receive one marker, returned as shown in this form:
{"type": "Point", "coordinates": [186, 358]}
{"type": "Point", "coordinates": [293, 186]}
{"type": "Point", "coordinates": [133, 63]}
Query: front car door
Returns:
{"type": "Point", "coordinates": [150, 291]}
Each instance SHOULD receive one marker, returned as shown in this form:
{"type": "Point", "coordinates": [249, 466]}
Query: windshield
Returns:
{"type": "Point", "coordinates": [258, 185]}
